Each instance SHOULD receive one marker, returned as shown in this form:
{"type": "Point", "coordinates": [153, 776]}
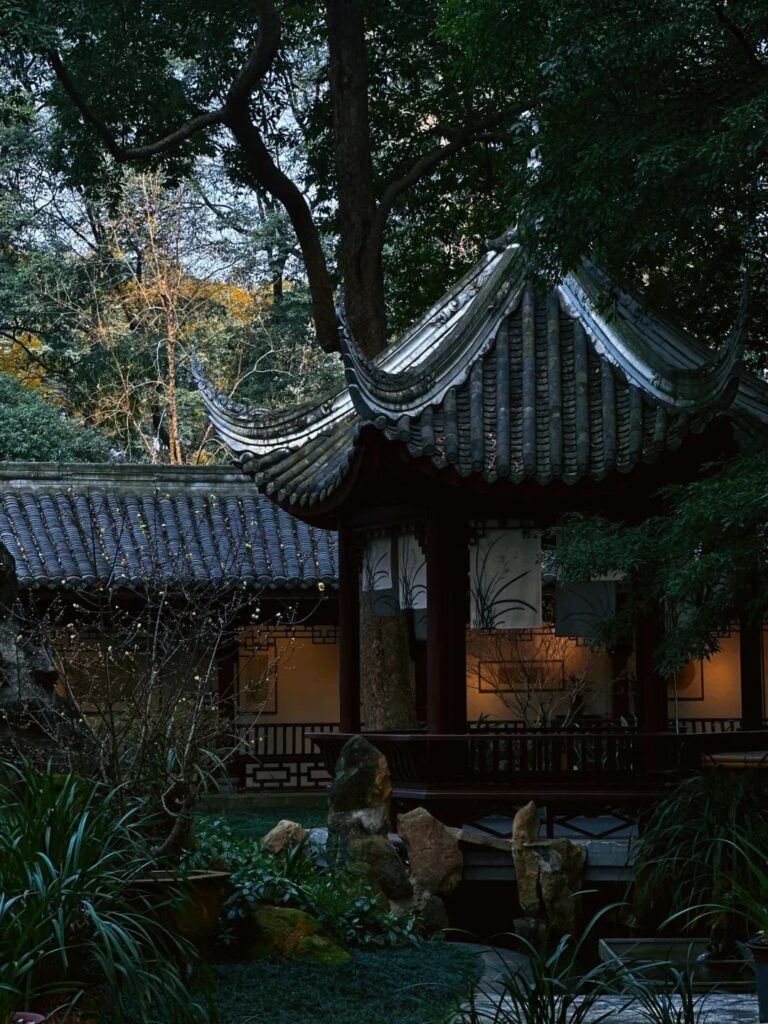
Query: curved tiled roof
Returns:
{"type": "Point", "coordinates": [505, 382]}
{"type": "Point", "coordinates": [80, 526]}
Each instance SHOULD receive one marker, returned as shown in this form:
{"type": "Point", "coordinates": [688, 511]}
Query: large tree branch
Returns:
{"type": "Point", "coordinates": [361, 262]}
{"type": "Point", "coordinates": [474, 131]}
{"type": "Point", "coordinates": [262, 55]}
{"type": "Point", "coordinates": [121, 153]}
{"type": "Point", "coordinates": [267, 174]}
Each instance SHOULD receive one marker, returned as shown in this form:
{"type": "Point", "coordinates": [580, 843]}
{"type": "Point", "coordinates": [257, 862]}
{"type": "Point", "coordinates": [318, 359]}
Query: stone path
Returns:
{"type": "Point", "coordinates": [719, 1007]}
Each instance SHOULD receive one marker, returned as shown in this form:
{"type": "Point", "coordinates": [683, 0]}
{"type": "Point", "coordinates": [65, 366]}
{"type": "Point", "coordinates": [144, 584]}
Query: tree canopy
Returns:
{"type": "Point", "coordinates": [649, 133]}
{"type": "Point", "coordinates": [396, 136]}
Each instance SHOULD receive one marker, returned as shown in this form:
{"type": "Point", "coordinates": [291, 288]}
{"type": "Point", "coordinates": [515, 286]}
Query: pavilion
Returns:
{"type": "Point", "coordinates": [444, 463]}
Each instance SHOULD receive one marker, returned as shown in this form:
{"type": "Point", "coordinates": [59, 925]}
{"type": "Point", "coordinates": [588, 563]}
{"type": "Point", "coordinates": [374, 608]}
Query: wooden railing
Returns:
{"type": "Point", "coordinates": [287, 755]}
{"type": "Point", "coordinates": [280, 755]}
{"type": "Point", "coordinates": [567, 766]}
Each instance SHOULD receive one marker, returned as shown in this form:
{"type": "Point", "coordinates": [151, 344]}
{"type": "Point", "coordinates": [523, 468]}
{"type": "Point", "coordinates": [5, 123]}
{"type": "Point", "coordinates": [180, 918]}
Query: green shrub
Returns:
{"type": "Point", "coordinates": [34, 430]}
{"type": "Point", "coordinates": [349, 909]}
{"type": "Point", "coordinates": [74, 926]}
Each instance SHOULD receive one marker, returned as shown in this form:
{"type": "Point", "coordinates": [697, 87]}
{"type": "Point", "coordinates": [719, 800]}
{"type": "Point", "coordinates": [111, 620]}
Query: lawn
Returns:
{"type": "Point", "coordinates": [416, 985]}
{"type": "Point", "coordinates": [253, 824]}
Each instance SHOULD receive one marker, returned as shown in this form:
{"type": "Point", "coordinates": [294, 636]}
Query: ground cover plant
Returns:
{"type": "Point", "coordinates": [410, 986]}
{"type": "Point", "coordinates": [76, 929]}
{"type": "Point", "coordinates": [348, 908]}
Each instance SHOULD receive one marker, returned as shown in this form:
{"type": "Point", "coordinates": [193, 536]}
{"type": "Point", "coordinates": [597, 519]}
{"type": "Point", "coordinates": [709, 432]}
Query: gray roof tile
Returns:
{"type": "Point", "coordinates": [84, 525]}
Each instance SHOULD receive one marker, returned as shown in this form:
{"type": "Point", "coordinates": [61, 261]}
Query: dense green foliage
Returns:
{"type": "Point", "coordinates": [703, 557]}
{"type": "Point", "coordinates": [409, 986]}
{"type": "Point", "coordinates": [34, 430]}
{"type": "Point", "coordinates": [348, 908]}
{"type": "Point", "coordinates": [74, 927]}
{"type": "Point", "coordinates": [686, 857]}
{"type": "Point", "coordinates": [648, 121]}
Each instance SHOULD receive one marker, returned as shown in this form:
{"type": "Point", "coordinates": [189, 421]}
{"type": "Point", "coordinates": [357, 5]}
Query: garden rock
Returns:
{"type": "Point", "coordinates": [435, 860]}
{"type": "Point", "coordinates": [525, 832]}
{"type": "Point", "coordinates": [295, 935]}
{"type": "Point", "coordinates": [283, 836]}
{"type": "Point", "coordinates": [375, 858]}
{"type": "Point", "coordinates": [549, 872]}
{"type": "Point", "coordinates": [433, 917]}
{"type": "Point", "coordinates": [359, 797]}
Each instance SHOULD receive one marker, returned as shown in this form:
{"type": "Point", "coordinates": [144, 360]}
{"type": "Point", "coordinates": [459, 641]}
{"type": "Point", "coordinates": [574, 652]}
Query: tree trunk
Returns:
{"type": "Point", "coordinates": [176, 453]}
{"type": "Point", "coordinates": [387, 686]}
{"type": "Point", "coordinates": [360, 244]}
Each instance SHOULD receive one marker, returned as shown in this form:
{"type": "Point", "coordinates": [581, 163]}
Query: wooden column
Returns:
{"type": "Point", "coordinates": [447, 544]}
{"type": "Point", "coordinates": [653, 709]}
{"type": "Point", "coordinates": [751, 659]}
{"type": "Point", "coordinates": [349, 634]}
{"type": "Point", "coordinates": [620, 682]}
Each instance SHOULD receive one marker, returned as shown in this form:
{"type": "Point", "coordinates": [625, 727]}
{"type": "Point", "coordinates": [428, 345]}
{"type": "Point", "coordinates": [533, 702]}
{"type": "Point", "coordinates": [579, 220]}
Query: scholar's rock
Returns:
{"type": "Point", "coordinates": [549, 873]}
{"type": "Point", "coordinates": [435, 860]}
{"type": "Point", "coordinates": [359, 798]}
{"type": "Point", "coordinates": [283, 836]}
{"type": "Point", "coordinates": [361, 778]}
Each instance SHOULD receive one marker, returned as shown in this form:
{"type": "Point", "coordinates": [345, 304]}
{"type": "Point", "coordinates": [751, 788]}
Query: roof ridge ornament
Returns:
{"type": "Point", "coordinates": [442, 350]}
{"type": "Point", "coordinates": [675, 369]}
{"type": "Point", "coordinates": [504, 240]}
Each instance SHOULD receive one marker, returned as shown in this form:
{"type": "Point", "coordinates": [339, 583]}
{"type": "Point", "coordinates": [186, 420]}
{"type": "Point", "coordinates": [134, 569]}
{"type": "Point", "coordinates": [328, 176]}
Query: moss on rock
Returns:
{"type": "Point", "coordinates": [295, 935]}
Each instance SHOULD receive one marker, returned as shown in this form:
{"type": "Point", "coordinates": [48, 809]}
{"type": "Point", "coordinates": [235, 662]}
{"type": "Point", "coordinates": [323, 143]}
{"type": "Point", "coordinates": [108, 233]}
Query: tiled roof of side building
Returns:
{"type": "Point", "coordinates": [83, 525]}
{"type": "Point", "coordinates": [502, 381]}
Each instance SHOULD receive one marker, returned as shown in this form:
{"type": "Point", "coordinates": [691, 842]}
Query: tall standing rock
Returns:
{"type": "Point", "coordinates": [549, 873]}
{"type": "Point", "coordinates": [525, 832]}
{"type": "Point", "coordinates": [360, 797]}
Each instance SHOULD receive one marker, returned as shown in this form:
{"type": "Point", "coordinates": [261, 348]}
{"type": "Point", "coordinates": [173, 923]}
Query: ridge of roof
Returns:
{"type": "Point", "coordinates": [114, 475]}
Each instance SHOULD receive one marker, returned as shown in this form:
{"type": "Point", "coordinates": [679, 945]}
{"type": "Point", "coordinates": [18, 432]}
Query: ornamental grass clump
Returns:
{"type": "Point", "coordinates": [549, 986]}
{"type": "Point", "coordinates": [686, 855]}
{"type": "Point", "coordinates": [75, 930]}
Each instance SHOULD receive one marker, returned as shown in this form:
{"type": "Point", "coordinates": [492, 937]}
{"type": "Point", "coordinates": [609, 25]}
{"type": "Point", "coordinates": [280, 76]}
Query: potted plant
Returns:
{"type": "Point", "coordinates": [747, 901]}
{"type": "Point", "coordinates": [685, 859]}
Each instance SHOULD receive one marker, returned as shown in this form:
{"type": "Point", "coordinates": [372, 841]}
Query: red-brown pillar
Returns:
{"type": "Point", "coordinates": [349, 634]}
{"type": "Point", "coordinates": [447, 544]}
{"type": "Point", "coordinates": [653, 708]}
{"type": "Point", "coordinates": [751, 659]}
{"type": "Point", "coordinates": [620, 681]}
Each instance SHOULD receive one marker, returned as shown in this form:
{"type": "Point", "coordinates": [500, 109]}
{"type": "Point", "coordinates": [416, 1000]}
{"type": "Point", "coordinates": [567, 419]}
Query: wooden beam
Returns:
{"type": "Point", "coordinates": [447, 543]}
{"type": "Point", "coordinates": [752, 684]}
{"type": "Point", "coordinates": [349, 634]}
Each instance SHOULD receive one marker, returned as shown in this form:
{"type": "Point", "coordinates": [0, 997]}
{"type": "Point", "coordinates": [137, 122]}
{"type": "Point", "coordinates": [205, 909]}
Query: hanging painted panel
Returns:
{"type": "Point", "coordinates": [378, 577]}
{"type": "Point", "coordinates": [412, 572]}
{"type": "Point", "coordinates": [505, 580]}
{"type": "Point", "coordinates": [581, 607]}
{"type": "Point", "coordinates": [377, 564]}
